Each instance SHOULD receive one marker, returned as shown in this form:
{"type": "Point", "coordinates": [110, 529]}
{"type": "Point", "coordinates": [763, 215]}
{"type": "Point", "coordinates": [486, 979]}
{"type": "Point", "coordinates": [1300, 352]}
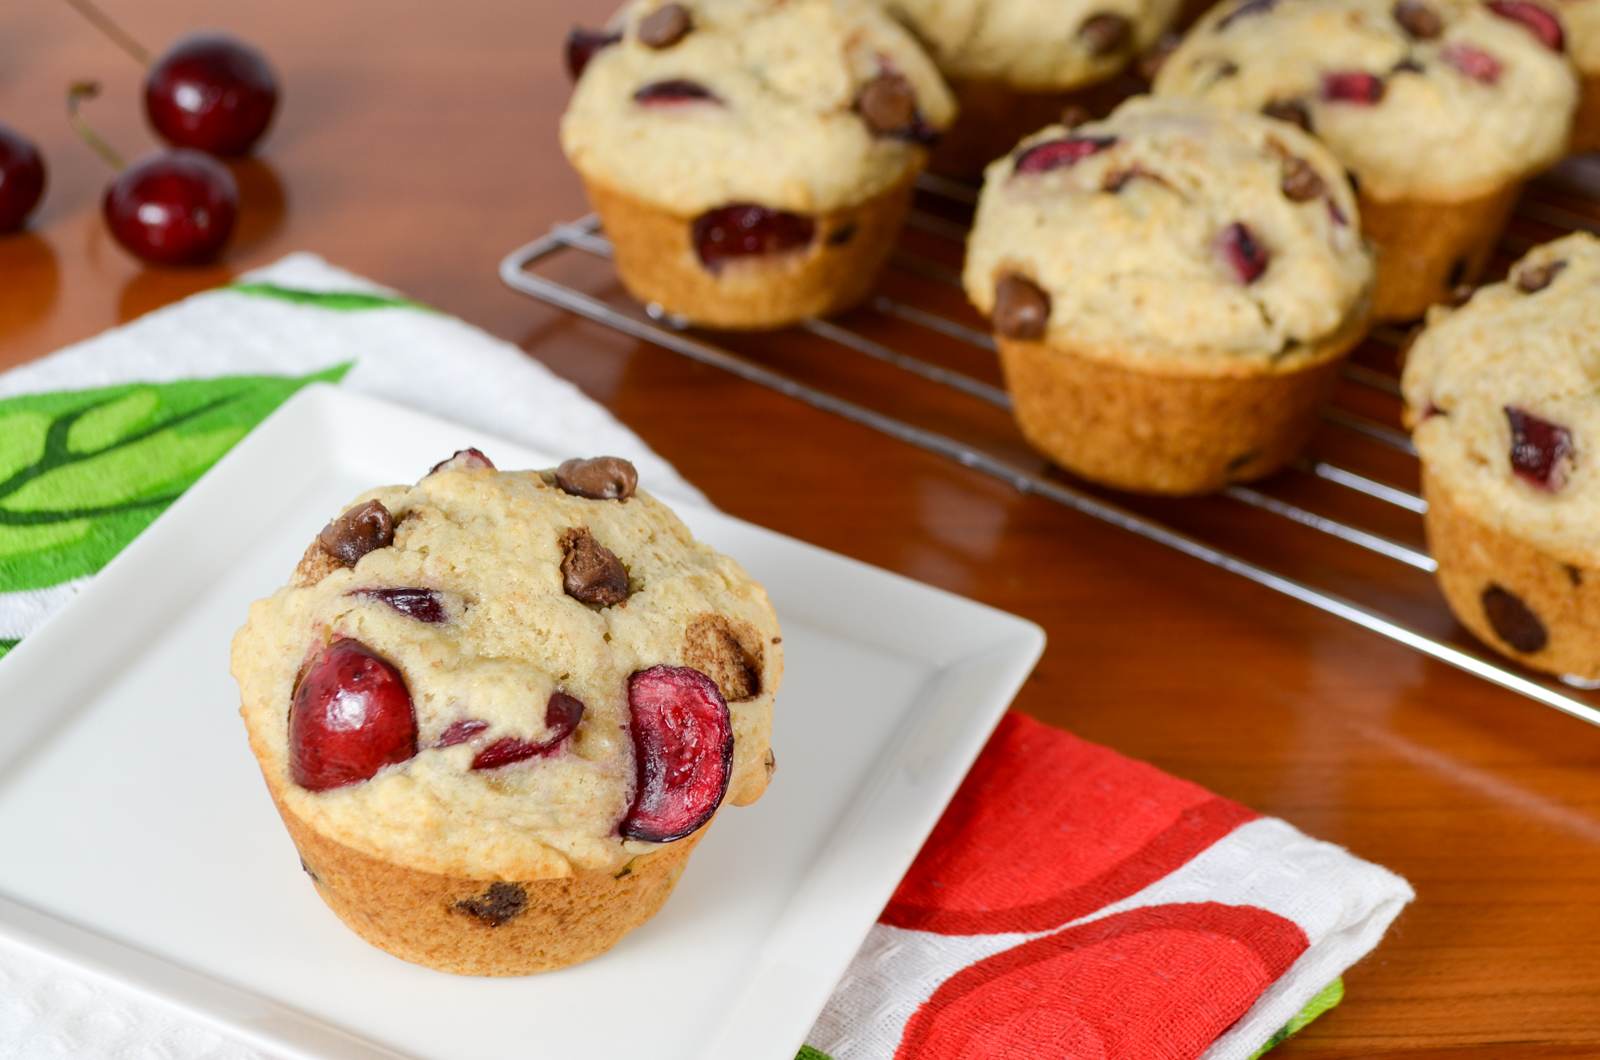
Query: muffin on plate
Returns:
{"type": "Point", "coordinates": [1171, 289]}
{"type": "Point", "coordinates": [497, 710]}
{"type": "Point", "coordinates": [1502, 402]}
{"type": "Point", "coordinates": [1440, 109]}
{"type": "Point", "coordinates": [751, 160]}
{"type": "Point", "coordinates": [1015, 65]}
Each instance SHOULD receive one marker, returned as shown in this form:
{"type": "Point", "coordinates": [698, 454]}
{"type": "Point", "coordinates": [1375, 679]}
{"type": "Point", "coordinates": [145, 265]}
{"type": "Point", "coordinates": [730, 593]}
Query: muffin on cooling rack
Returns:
{"type": "Point", "coordinates": [1501, 398]}
{"type": "Point", "coordinates": [751, 160]}
{"type": "Point", "coordinates": [1439, 108]}
{"type": "Point", "coordinates": [497, 710]}
{"type": "Point", "coordinates": [1015, 65]}
{"type": "Point", "coordinates": [1172, 290]}
{"type": "Point", "coordinates": [1575, 26]}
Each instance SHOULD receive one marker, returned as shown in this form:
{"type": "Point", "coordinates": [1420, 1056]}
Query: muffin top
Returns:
{"type": "Point", "coordinates": [1433, 99]}
{"type": "Point", "coordinates": [1172, 230]}
{"type": "Point", "coordinates": [1503, 395]}
{"type": "Point", "coordinates": [1034, 46]}
{"type": "Point", "coordinates": [798, 105]}
{"type": "Point", "coordinates": [535, 635]}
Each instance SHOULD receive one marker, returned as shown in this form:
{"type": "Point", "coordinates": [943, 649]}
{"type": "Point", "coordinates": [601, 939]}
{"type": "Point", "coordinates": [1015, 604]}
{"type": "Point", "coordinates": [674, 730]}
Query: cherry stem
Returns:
{"type": "Point", "coordinates": [76, 94]}
{"type": "Point", "coordinates": [119, 36]}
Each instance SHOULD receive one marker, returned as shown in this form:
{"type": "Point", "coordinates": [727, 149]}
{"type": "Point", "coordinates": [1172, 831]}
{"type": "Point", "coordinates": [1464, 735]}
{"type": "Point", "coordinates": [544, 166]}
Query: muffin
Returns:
{"type": "Point", "coordinates": [1502, 402]}
{"type": "Point", "coordinates": [497, 710]}
{"type": "Point", "coordinates": [1015, 65]}
{"type": "Point", "coordinates": [1575, 26]}
{"type": "Point", "coordinates": [1171, 289]}
{"type": "Point", "coordinates": [751, 160]}
{"type": "Point", "coordinates": [1439, 108]}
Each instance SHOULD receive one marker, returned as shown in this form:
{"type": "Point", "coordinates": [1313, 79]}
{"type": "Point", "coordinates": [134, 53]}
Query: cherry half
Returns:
{"type": "Point", "coordinates": [1536, 19]}
{"type": "Point", "coordinates": [1243, 252]}
{"type": "Point", "coordinates": [1541, 451]}
{"type": "Point", "coordinates": [1054, 154]}
{"type": "Point", "coordinates": [211, 92]}
{"type": "Point", "coordinates": [561, 716]}
{"type": "Point", "coordinates": [21, 178]}
{"type": "Point", "coordinates": [682, 749]}
{"type": "Point", "coordinates": [746, 230]}
{"type": "Point", "coordinates": [351, 716]}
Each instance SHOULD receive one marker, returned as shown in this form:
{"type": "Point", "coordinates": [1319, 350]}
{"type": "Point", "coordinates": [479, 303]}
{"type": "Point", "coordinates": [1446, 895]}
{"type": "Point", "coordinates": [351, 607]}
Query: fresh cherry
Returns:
{"type": "Point", "coordinates": [1541, 451]}
{"type": "Point", "coordinates": [1352, 86]}
{"type": "Point", "coordinates": [682, 750]}
{"type": "Point", "coordinates": [583, 45]}
{"type": "Point", "coordinates": [1054, 154]}
{"type": "Point", "coordinates": [173, 208]}
{"type": "Point", "coordinates": [1472, 62]}
{"type": "Point", "coordinates": [746, 230]}
{"type": "Point", "coordinates": [351, 716]}
{"type": "Point", "coordinates": [1243, 252]}
{"type": "Point", "coordinates": [561, 716]}
{"type": "Point", "coordinates": [21, 178]}
{"type": "Point", "coordinates": [424, 605]}
{"type": "Point", "coordinates": [211, 92]}
{"type": "Point", "coordinates": [1538, 20]}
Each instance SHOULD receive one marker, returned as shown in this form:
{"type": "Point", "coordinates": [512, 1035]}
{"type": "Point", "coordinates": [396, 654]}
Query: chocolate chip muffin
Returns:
{"type": "Point", "coordinates": [1171, 289]}
{"type": "Point", "coordinates": [1439, 108]}
{"type": "Point", "coordinates": [497, 710]}
{"type": "Point", "coordinates": [1501, 399]}
{"type": "Point", "coordinates": [751, 160]}
{"type": "Point", "coordinates": [1016, 65]}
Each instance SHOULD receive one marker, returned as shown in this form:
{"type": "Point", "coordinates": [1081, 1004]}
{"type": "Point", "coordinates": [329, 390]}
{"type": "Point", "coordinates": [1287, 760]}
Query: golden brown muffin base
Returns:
{"type": "Point", "coordinates": [657, 262]}
{"type": "Point", "coordinates": [429, 919]}
{"type": "Point", "coordinates": [1428, 249]}
{"type": "Point", "coordinates": [1474, 556]}
{"type": "Point", "coordinates": [1150, 430]}
{"type": "Point", "coordinates": [993, 115]}
{"type": "Point", "coordinates": [1586, 125]}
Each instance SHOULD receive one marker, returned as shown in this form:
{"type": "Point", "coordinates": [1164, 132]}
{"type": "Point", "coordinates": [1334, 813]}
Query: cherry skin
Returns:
{"type": "Point", "coordinates": [683, 752]}
{"type": "Point", "coordinates": [21, 179]}
{"type": "Point", "coordinates": [351, 716]}
{"type": "Point", "coordinates": [173, 208]}
{"type": "Point", "coordinates": [211, 92]}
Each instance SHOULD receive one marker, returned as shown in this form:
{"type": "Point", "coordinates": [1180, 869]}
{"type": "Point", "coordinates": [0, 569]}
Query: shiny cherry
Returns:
{"type": "Point", "coordinates": [173, 208]}
{"type": "Point", "coordinates": [682, 750]}
{"type": "Point", "coordinates": [350, 717]}
{"type": "Point", "coordinates": [211, 92]}
{"type": "Point", "coordinates": [21, 179]}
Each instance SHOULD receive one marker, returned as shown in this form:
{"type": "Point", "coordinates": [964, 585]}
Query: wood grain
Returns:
{"type": "Point", "coordinates": [416, 144]}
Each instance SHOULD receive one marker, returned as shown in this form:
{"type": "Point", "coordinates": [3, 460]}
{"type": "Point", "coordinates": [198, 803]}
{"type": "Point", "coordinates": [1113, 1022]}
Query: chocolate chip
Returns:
{"type": "Point", "coordinates": [842, 235]}
{"type": "Point", "coordinates": [1148, 65]}
{"type": "Point", "coordinates": [1290, 110]}
{"type": "Point", "coordinates": [1021, 308]}
{"type": "Point", "coordinates": [726, 651]}
{"type": "Point", "coordinates": [1418, 19]}
{"type": "Point", "coordinates": [1225, 69]}
{"type": "Point", "coordinates": [1301, 183]}
{"type": "Point", "coordinates": [665, 26]}
{"type": "Point", "coordinates": [888, 104]}
{"type": "Point", "coordinates": [1105, 33]}
{"type": "Point", "coordinates": [1407, 65]}
{"type": "Point", "coordinates": [599, 478]}
{"type": "Point", "coordinates": [1458, 274]}
{"type": "Point", "coordinates": [500, 903]}
{"type": "Point", "coordinates": [1074, 115]}
{"type": "Point", "coordinates": [1536, 278]}
{"type": "Point", "coordinates": [1513, 621]}
{"type": "Point", "coordinates": [1574, 575]}
{"type": "Point", "coordinates": [591, 573]}
{"type": "Point", "coordinates": [358, 531]}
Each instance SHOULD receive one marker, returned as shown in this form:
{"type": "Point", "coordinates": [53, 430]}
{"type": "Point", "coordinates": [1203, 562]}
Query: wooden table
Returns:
{"type": "Point", "coordinates": [416, 145]}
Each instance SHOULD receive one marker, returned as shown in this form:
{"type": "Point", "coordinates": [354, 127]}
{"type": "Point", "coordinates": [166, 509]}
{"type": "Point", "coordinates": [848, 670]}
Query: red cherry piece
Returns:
{"type": "Point", "coordinates": [21, 178]}
{"type": "Point", "coordinates": [1541, 451]}
{"type": "Point", "coordinates": [460, 732]}
{"type": "Point", "coordinates": [351, 716]}
{"type": "Point", "coordinates": [173, 208]}
{"type": "Point", "coordinates": [1538, 20]}
{"type": "Point", "coordinates": [682, 749]}
{"type": "Point", "coordinates": [1054, 154]}
{"type": "Point", "coordinates": [561, 716]}
{"type": "Point", "coordinates": [211, 92]}
{"type": "Point", "coordinates": [1472, 62]}
{"type": "Point", "coordinates": [1352, 86]}
{"type": "Point", "coordinates": [673, 93]}
{"type": "Point", "coordinates": [424, 605]}
{"type": "Point", "coordinates": [745, 230]}
{"type": "Point", "coordinates": [1243, 252]}
{"type": "Point", "coordinates": [463, 460]}
{"type": "Point", "coordinates": [583, 45]}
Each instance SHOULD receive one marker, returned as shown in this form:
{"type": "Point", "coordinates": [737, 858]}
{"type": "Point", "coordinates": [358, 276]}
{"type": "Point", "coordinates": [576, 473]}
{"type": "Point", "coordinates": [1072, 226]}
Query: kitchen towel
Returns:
{"type": "Point", "coordinates": [1071, 903]}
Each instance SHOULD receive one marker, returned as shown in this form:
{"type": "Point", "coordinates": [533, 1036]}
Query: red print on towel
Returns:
{"type": "Point", "coordinates": [1157, 983]}
{"type": "Point", "coordinates": [1048, 828]}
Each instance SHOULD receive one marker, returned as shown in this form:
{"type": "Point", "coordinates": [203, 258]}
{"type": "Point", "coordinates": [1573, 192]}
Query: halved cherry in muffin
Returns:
{"type": "Point", "coordinates": [683, 752]}
{"type": "Point", "coordinates": [351, 716]}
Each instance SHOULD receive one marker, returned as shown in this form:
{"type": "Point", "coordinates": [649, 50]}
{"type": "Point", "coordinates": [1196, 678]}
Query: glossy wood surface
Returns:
{"type": "Point", "coordinates": [416, 144]}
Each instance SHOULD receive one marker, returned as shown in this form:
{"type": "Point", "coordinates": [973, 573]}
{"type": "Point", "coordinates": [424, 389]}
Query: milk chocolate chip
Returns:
{"type": "Point", "coordinates": [1021, 308]}
{"type": "Point", "coordinates": [591, 573]}
{"type": "Point", "coordinates": [665, 26]}
{"type": "Point", "coordinates": [358, 531]}
{"type": "Point", "coordinates": [500, 903]}
{"type": "Point", "coordinates": [599, 478]}
{"type": "Point", "coordinates": [1301, 182]}
{"type": "Point", "coordinates": [1418, 19]}
{"type": "Point", "coordinates": [888, 104]}
{"type": "Point", "coordinates": [1105, 33]}
{"type": "Point", "coordinates": [1536, 278]}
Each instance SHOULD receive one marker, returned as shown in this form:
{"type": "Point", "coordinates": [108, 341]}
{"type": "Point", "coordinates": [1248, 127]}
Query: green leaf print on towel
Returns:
{"type": "Point", "coordinates": [82, 472]}
{"type": "Point", "coordinates": [339, 300]}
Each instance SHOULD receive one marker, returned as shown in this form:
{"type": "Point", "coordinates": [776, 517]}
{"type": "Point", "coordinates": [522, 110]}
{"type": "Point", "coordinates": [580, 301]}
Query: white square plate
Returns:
{"type": "Point", "coordinates": [137, 840]}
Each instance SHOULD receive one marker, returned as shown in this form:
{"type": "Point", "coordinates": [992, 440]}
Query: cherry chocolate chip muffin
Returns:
{"type": "Point", "coordinates": [1439, 108]}
{"type": "Point", "coordinates": [1501, 398]}
{"type": "Point", "coordinates": [1015, 65]}
{"type": "Point", "coordinates": [1172, 290]}
{"type": "Point", "coordinates": [497, 710]}
{"type": "Point", "coordinates": [1573, 25]}
{"type": "Point", "coordinates": [751, 160]}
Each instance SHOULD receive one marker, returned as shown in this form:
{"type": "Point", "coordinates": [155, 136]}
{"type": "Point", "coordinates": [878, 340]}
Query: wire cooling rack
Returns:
{"type": "Point", "coordinates": [917, 348]}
